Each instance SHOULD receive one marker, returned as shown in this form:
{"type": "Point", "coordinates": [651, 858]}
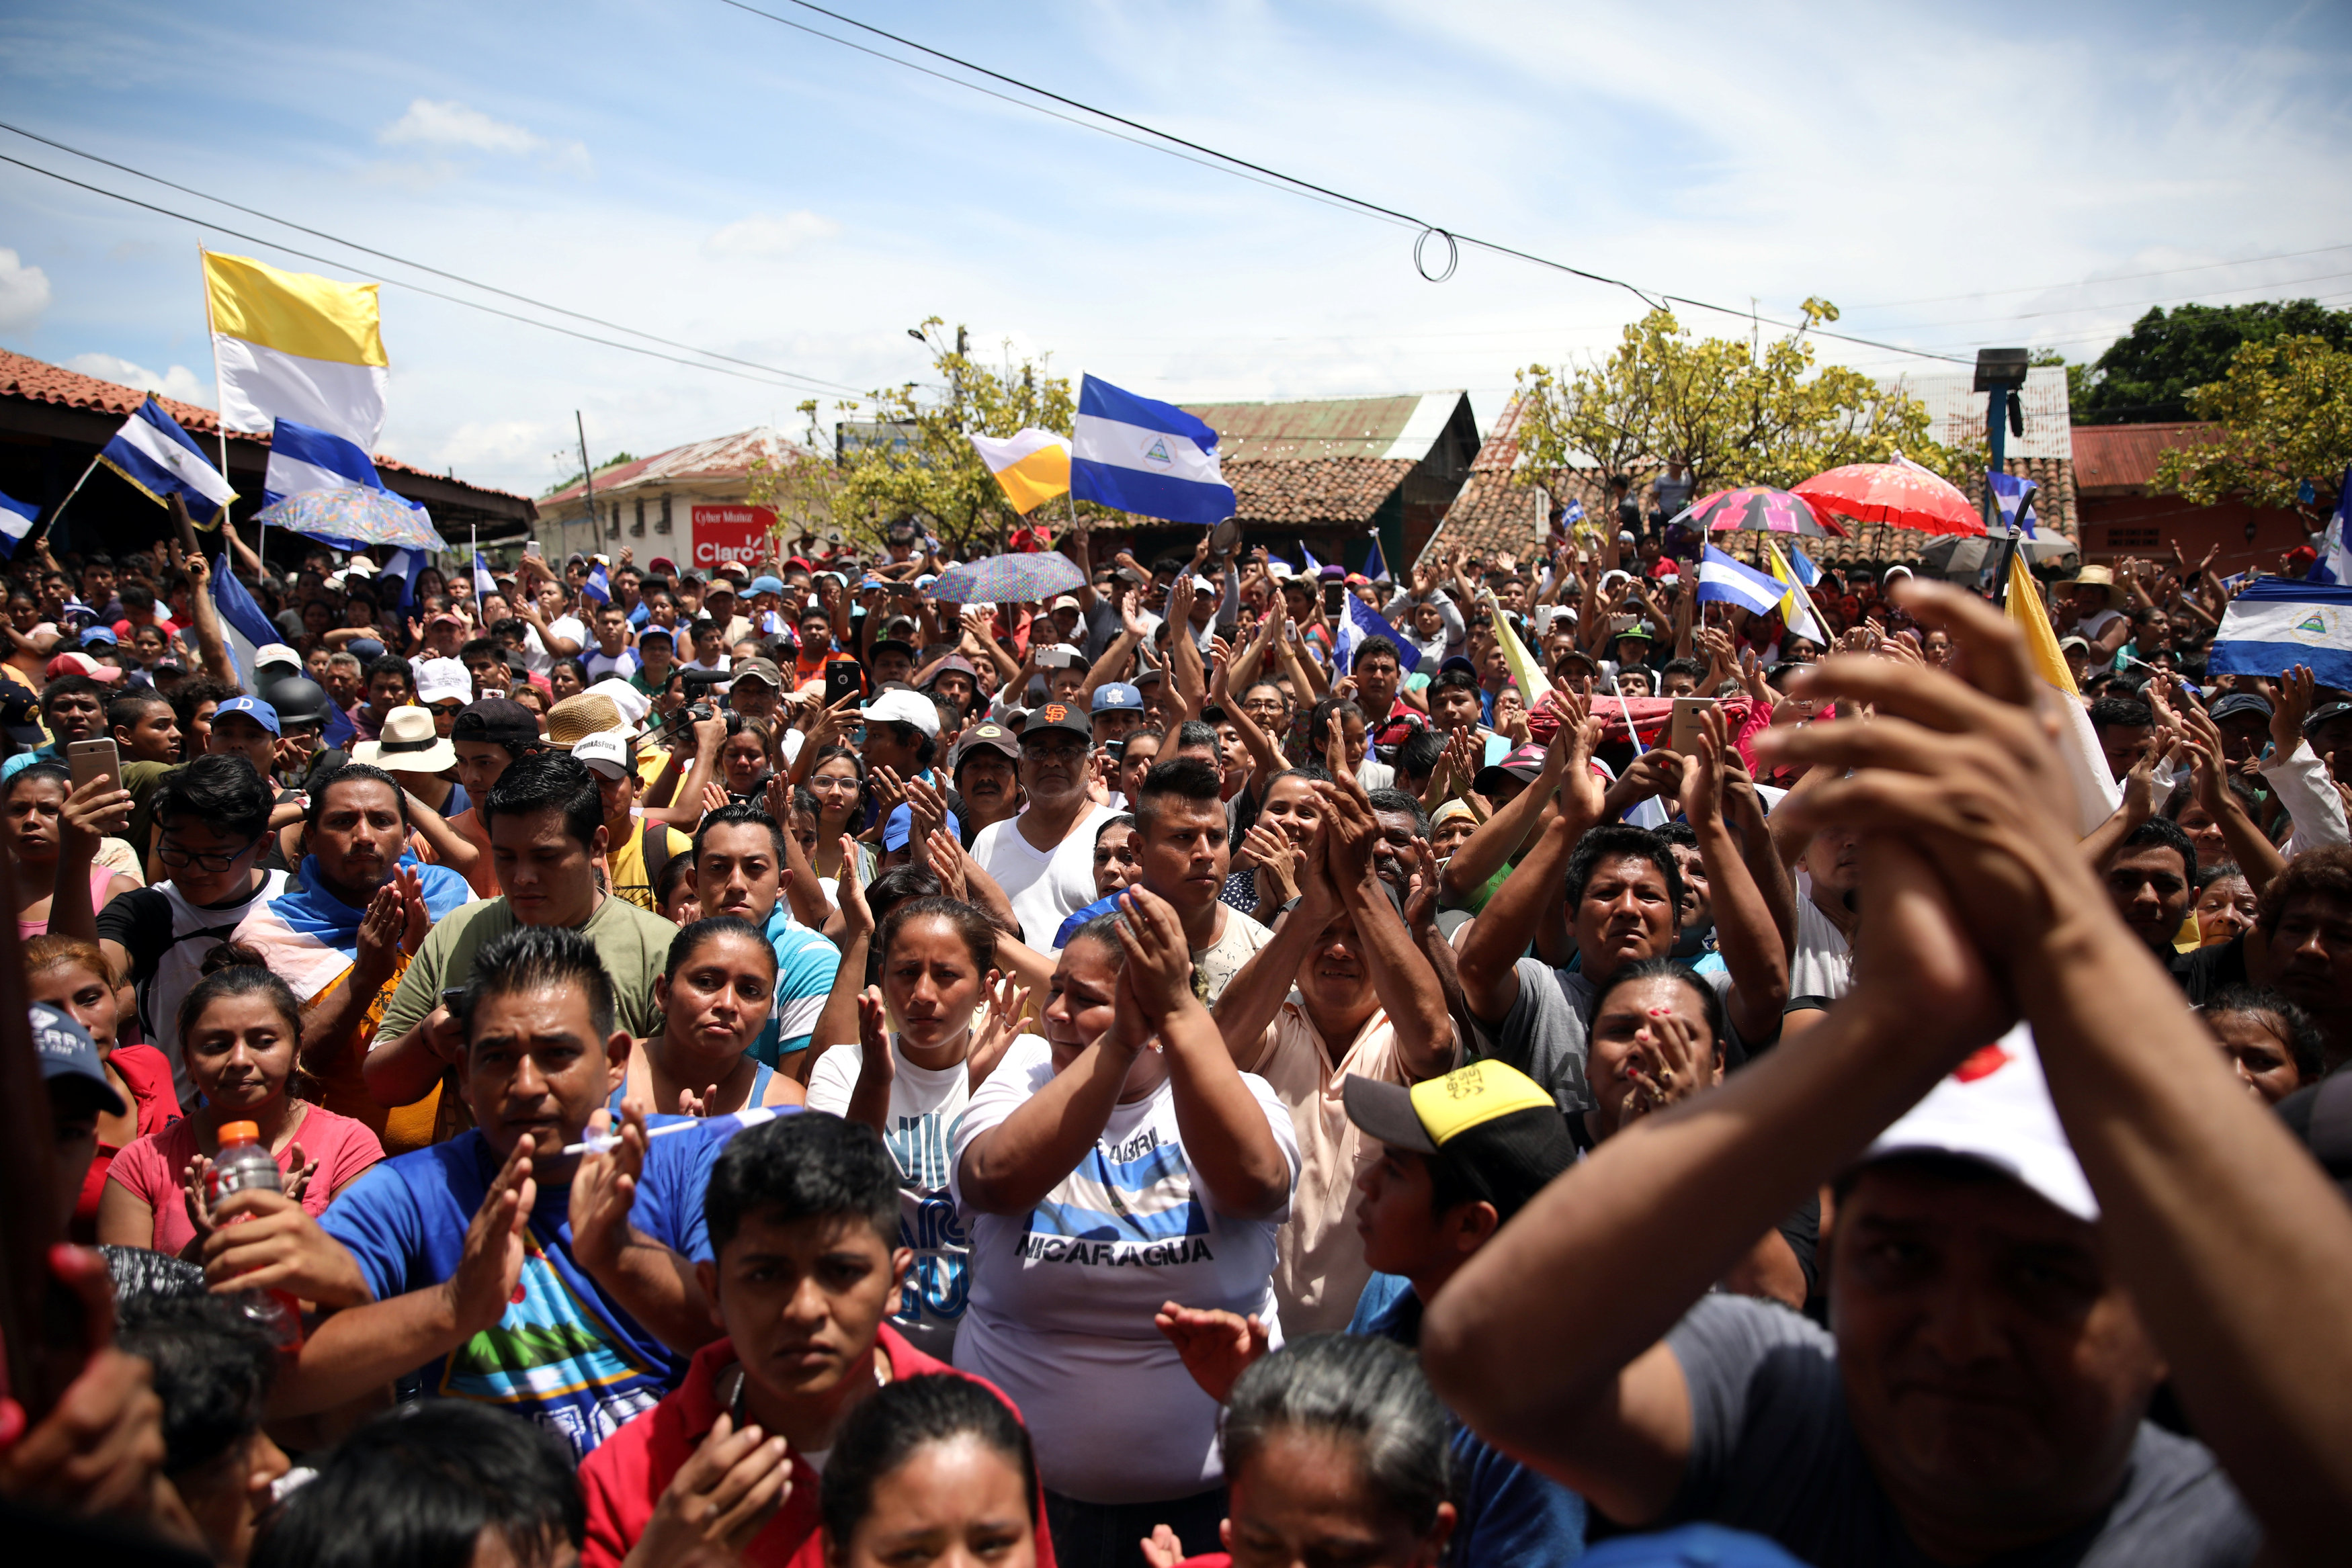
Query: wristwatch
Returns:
{"type": "Point", "coordinates": [1292, 902]}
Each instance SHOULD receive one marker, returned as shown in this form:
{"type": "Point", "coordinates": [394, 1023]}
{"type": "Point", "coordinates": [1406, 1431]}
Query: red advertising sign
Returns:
{"type": "Point", "coordinates": [722, 534]}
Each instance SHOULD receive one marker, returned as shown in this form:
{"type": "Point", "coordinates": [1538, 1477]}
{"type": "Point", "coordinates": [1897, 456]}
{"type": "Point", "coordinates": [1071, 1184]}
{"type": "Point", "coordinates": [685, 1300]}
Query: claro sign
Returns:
{"type": "Point", "coordinates": [722, 534]}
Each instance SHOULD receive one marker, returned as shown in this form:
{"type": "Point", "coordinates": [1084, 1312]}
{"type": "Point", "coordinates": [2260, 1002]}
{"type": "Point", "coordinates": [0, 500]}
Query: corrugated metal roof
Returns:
{"type": "Point", "coordinates": [1401, 428]}
{"type": "Point", "coordinates": [37, 381]}
{"type": "Point", "coordinates": [719, 457]}
{"type": "Point", "coordinates": [1956, 415]}
{"type": "Point", "coordinates": [2111, 458]}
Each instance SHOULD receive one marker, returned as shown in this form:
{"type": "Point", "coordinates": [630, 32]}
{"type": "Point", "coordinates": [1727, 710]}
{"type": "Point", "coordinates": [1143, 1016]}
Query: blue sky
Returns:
{"type": "Point", "coordinates": [713, 177]}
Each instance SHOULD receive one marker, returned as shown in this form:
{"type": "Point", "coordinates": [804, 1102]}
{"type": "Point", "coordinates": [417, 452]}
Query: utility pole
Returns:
{"type": "Point", "coordinates": [2000, 372]}
{"type": "Point", "coordinates": [587, 477]}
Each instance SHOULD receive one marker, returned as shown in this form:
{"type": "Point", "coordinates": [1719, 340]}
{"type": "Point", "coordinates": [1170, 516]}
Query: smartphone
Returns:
{"type": "Point", "coordinates": [1335, 594]}
{"type": "Point", "coordinates": [89, 760]}
{"type": "Point", "coordinates": [1056, 656]}
{"type": "Point", "coordinates": [530, 547]}
{"type": "Point", "coordinates": [1683, 729]}
{"type": "Point", "coordinates": [843, 679]}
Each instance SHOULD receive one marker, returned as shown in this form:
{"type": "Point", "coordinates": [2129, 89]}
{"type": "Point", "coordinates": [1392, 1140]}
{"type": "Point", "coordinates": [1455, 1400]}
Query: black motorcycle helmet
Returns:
{"type": "Point", "coordinates": [298, 700]}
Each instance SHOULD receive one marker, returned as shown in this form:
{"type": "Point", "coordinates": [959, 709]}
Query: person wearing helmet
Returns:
{"type": "Point", "coordinates": [303, 708]}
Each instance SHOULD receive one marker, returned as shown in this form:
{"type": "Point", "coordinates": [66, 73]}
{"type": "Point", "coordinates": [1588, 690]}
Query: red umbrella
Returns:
{"type": "Point", "coordinates": [1755, 508]}
{"type": "Point", "coordinates": [1899, 492]}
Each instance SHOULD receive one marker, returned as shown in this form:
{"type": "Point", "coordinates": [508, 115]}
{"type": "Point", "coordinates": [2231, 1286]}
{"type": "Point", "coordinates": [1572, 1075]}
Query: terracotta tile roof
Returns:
{"type": "Point", "coordinates": [720, 457]}
{"type": "Point", "coordinates": [1337, 491]}
{"type": "Point", "coordinates": [2112, 459]}
{"type": "Point", "coordinates": [1405, 425]}
{"type": "Point", "coordinates": [37, 381]}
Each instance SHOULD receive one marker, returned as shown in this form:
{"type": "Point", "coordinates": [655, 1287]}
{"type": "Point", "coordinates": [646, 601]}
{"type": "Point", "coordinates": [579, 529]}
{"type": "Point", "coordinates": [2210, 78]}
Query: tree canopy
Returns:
{"type": "Point", "coordinates": [2284, 408]}
{"type": "Point", "coordinates": [1731, 412]}
{"type": "Point", "coordinates": [2148, 375]}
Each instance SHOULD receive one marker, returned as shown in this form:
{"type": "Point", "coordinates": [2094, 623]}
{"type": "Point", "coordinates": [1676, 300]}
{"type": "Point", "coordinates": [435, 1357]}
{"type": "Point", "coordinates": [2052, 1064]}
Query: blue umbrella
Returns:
{"type": "Point", "coordinates": [1027, 578]}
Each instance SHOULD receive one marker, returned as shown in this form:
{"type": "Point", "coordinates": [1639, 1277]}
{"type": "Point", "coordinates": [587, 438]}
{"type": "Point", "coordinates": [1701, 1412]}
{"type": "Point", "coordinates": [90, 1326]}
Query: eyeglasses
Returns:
{"type": "Point", "coordinates": [178, 859]}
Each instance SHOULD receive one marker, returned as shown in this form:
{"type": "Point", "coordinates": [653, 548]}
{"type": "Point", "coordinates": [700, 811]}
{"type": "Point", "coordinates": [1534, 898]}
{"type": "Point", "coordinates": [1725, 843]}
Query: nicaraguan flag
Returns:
{"type": "Point", "coordinates": [244, 627]}
{"type": "Point", "coordinates": [2335, 562]}
{"type": "Point", "coordinates": [304, 459]}
{"type": "Point", "coordinates": [295, 346]}
{"type": "Point", "coordinates": [1362, 622]}
{"type": "Point", "coordinates": [484, 583]}
{"type": "Point", "coordinates": [1729, 582]}
{"type": "Point", "coordinates": [1802, 565]}
{"type": "Point", "coordinates": [309, 938]}
{"type": "Point", "coordinates": [1571, 513]}
{"type": "Point", "coordinates": [1133, 454]}
{"type": "Point", "coordinates": [597, 587]}
{"type": "Point", "coordinates": [159, 459]}
{"type": "Point", "coordinates": [404, 566]}
{"type": "Point", "coordinates": [2014, 496]}
{"type": "Point", "coordinates": [1312, 568]}
{"type": "Point", "coordinates": [17, 520]}
{"type": "Point", "coordinates": [2278, 622]}
{"type": "Point", "coordinates": [1376, 565]}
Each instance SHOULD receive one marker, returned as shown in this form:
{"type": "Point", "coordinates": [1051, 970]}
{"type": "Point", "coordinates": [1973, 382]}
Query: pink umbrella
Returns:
{"type": "Point", "coordinates": [1902, 494]}
{"type": "Point", "coordinates": [1756, 509]}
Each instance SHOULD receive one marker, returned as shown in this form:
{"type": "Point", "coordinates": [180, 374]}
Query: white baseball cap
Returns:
{"type": "Point", "coordinates": [904, 708]}
{"type": "Point", "coordinates": [270, 654]}
{"type": "Point", "coordinates": [1995, 1109]}
{"type": "Point", "coordinates": [358, 566]}
{"type": "Point", "coordinates": [440, 680]}
{"type": "Point", "coordinates": [605, 752]}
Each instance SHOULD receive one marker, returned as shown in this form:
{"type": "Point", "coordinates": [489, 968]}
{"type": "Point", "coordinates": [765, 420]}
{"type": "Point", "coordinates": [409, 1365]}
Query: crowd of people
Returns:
{"type": "Point", "coordinates": [1230, 1063]}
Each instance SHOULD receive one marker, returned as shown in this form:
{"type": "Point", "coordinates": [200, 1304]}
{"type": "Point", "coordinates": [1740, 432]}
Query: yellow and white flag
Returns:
{"type": "Point", "coordinates": [1796, 613]}
{"type": "Point", "coordinates": [1033, 464]}
{"type": "Point", "coordinates": [2096, 793]}
{"type": "Point", "coordinates": [297, 347]}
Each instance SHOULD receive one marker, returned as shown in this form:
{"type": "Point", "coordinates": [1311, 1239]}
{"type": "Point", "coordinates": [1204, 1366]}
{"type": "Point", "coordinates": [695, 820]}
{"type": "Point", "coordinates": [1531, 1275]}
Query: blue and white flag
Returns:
{"type": "Point", "coordinates": [1571, 513]}
{"type": "Point", "coordinates": [2335, 562]}
{"type": "Point", "coordinates": [302, 458]}
{"type": "Point", "coordinates": [1722, 578]}
{"type": "Point", "coordinates": [159, 459]}
{"type": "Point", "coordinates": [1361, 622]}
{"type": "Point", "coordinates": [1312, 568]}
{"type": "Point", "coordinates": [17, 520]}
{"type": "Point", "coordinates": [2014, 496]}
{"type": "Point", "coordinates": [484, 583]}
{"type": "Point", "coordinates": [2279, 623]}
{"type": "Point", "coordinates": [1376, 565]}
{"type": "Point", "coordinates": [1134, 455]}
{"type": "Point", "coordinates": [244, 627]}
{"type": "Point", "coordinates": [404, 566]}
{"type": "Point", "coordinates": [597, 587]}
{"type": "Point", "coordinates": [1801, 564]}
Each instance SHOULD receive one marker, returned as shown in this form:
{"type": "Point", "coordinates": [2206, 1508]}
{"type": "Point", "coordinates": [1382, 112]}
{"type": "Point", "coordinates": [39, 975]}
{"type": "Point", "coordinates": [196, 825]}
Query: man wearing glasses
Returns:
{"type": "Point", "coordinates": [212, 822]}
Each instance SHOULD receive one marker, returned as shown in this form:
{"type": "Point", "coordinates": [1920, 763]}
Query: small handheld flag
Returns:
{"type": "Point", "coordinates": [17, 520]}
{"type": "Point", "coordinates": [244, 627]}
{"type": "Point", "coordinates": [1725, 580]}
{"type": "Point", "coordinates": [2014, 496]}
{"type": "Point", "coordinates": [597, 586]}
{"type": "Point", "coordinates": [1796, 613]}
{"type": "Point", "coordinates": [2278, 622]}
{"type": "Point", "coordinates": [1363, 621]}
{"type": "Point", "coordinates": [1136, 454]}
{"type": "Point", "coordinates": [161, 459]}
{"type": "Point", "coordinates": [1312, 568]}
{"type": "Point", "coordinates": [484, 583]}
{"type": "Point", "coordinates": [1802, 565]}
{"type": "Point", "coordinates": [2335, 562]}
{"type": "Point", "coordinates": [1376, 564]}
{"type": "Point", "coordinates": [1034, 465]}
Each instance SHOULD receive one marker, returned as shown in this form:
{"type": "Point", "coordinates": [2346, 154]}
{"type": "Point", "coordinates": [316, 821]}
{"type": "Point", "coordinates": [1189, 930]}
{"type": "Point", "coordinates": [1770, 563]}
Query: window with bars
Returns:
{"type": "Point", "coordinates": [637, 524]}
{"type": "Point", "coordinates": [2133, 539]}
{"type": "Point", "coordinates": [661, 522]}
{"type": "Point", "coordinates": [612, 522]}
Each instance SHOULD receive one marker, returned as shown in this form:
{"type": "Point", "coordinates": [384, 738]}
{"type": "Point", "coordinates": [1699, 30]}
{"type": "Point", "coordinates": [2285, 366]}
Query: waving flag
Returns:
{"type": "Point", "coordinates": [597, 586]}
{"type": "Point", "coordinates": [1362, 620]}
{"type": "Point", "coordinates": [17, 520]}
{"type": "Point", "coordinates": [1312, 568]}
{"type": "Point", "coordinates": [1796, 613]}
{"type": "Point", "coordinates": [304, 459]}
{"type": "Point", "coordinates": [2014, 496]}
{"type": "Point", "coordinates": [2335, 562]}
{"type": "Point", "coordinates": [1034, 465]}
{"type": "Point", "coordinates": [404, 566]}
{"type": "Point", "coordinates": [1133, 454]}
{"type": "Point", "coordinates": [294, 346]}
{"type": "Point", "coordinates": [159, 459]}
{"type": "Point", "coordinates": [2278, 622]}
{"type": "Point", "coordinates": [1802, 565]}
{"type": "Point", "coordinates": [244, 627]}
{"type": "Point", "coordinates": [484, 583]}
{"type": "Point", "coordinates": [2096, 793]}
{"type": "Point", "coordinates": [1376, 564]}
{"type": "Point", "coordinates": [1727, 581]}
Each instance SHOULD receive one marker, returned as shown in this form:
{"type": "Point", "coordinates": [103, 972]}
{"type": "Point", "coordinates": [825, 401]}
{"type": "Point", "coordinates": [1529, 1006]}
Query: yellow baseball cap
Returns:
{"type": "Point", "coordinates": [1434, 1112]}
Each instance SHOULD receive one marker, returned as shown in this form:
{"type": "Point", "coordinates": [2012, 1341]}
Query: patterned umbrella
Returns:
{"type": "Point", "coordinates": [1901, 492]}
{"type": "Point", "coordinates": [353, 519]}
{"type": "Point", "coordinates": [1028, 578]}
{"type": "Point", "coordinates": [1754, 509]}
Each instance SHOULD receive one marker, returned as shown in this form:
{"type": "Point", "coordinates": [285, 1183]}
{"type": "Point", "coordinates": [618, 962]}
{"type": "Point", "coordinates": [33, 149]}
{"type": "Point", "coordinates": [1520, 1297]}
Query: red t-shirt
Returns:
{"type": "Point", "coordinates": [623, 1479]}
{"type": "Point", "coordinates": [148, 1073]}
{"type": "Point", "coordinates": [150, 1169]}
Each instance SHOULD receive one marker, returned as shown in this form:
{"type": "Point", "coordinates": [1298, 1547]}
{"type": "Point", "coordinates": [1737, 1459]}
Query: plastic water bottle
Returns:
{"type": "Point", "coordinates": [245, 1164]}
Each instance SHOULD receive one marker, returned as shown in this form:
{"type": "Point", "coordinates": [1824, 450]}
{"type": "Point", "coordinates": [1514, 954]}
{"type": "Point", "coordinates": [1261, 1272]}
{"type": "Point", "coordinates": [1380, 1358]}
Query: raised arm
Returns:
{"type": "Point", "coordinates": [1490, 979]}
{"type": "Point", "coordinates": [1502, 835]}
{"type": "Point", "coordinates": [1402, 976]}
{"type": "Point", "coordinates": [1747, 934]}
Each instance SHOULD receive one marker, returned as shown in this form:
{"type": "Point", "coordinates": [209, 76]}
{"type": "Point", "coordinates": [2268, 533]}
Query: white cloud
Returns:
{"type": "Point", "coordinates": [765, 236]}
{"type": "Point", "coordinates": [449, 125]}
{"type": "Point", "coordinates": [178, 381]}
{"type": "Point", "coordinates": [23, 293]}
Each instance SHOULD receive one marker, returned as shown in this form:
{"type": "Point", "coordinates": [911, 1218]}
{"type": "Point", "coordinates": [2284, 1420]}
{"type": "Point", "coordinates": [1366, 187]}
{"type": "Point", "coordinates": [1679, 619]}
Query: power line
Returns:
{"type": "Point", "coordinates": [793, 379]}
{"type": "Point", "coordinates": [1228, 164]}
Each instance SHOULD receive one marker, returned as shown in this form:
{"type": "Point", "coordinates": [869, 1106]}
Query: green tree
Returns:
{"type": "Point", "coordinates": [572, 478]}
{"type": "Point", "coordinates": [1731, 412]}
{"type": "Point", "coordinates": [2146, 376]}
{"type": "Point", "coordinates": [2284, 412]}
{"type": "Point", "coordinates": [936, 477]}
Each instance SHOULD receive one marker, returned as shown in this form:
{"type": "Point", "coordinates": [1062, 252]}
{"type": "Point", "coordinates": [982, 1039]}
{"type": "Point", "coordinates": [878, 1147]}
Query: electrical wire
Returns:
{"type": "Point", "coordinates": [1259, 174]}
{"type": "Point", "coordinates": [792, 379]}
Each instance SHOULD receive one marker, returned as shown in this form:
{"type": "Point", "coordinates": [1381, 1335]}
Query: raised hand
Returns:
{"type": "Point", "coordinates": [946, 857]}
{"type": "Point", "coordinates": [1159, 974]}
{"type": "Point", "coordinates": [719, 1501]}
{"type": "Point", "coordinates": [889, 790]}
{"type": "Point", "coordinates": [1000, 1025]}
{"type": "Point", "coordinates": [604, 1187]}
{"type": "Point", "coordinates": [489, 1268]}
{"type": "Point", "coordinates": [2290, 706]}
{"type": "Point", "coordinates": [1215, 1345]}
{"type": "Point", "coordinates": [303, 1170]}
{"type": "Point", "coordinates": [857, 914]}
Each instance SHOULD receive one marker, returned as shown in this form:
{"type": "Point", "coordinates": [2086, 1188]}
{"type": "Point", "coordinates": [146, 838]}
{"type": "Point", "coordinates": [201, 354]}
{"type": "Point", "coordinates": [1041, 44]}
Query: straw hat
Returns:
{"type": "Point", "coordinates": [575, 718]}
{"type": "Point", "coordinates": [409, 744]}
{"type": "Point", "coordinates": [2095, 576]}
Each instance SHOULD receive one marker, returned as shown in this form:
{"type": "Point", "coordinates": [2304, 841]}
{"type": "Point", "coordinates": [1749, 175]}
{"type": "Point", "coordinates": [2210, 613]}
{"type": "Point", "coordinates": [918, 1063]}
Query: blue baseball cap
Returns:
{"type": "Point", "coordinates": [764, 584]}
{"type": "Point", "coordinates": [99, 634]}
{"type": "Point", "coordinates": [67, 1051]}
{"type": "Point", "coordinates": [260, 712]}
{"type": "Point", "coordinates": [1118, 696]}
{"type": "Point", "coordinates": [366, 650]}
{"type": "Point", "coordinates": [901, 827]}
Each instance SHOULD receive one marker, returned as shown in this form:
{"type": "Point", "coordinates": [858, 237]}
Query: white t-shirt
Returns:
{"type": "Point", "coordinates": [617, 666]}
{"type": "Point", "coordinates": [1063, 1296]}
{"type": "Point", "coordinates": [924, 1106]}
{"type": "Point", "coordinates": [1823, 965]}
{"type": "Point", "coordinates": [2090, 626]}
{"type": "Point", "coordinates": [1046, 886]}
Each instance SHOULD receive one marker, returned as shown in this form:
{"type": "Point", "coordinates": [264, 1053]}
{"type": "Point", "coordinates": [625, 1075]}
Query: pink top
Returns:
{"type": "Point", "coordinates": [149, 1169]}
{"type": "Point", "coordinates": [100, 879]}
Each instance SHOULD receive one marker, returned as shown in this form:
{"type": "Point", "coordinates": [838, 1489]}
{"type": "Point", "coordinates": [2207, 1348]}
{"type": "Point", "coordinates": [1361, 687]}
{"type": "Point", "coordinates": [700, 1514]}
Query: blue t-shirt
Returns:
{"type": "Point", "coordinates": [1100, 906]}
{"type": "Point", "coordinates": [564, 1353]}
{"type": "Point", "coordinates": [806, 963]}
{"type": "Point", "coordinates": [1510, 1514]}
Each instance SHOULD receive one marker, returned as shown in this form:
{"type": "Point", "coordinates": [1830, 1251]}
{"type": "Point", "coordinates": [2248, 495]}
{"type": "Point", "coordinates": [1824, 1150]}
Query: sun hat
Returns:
{"type": "Point", "coordinates": [2095, 576]}
{"type": "Point", "coordinates": [578, 716]}
{"type": "Point", "coordinates": [408, 743]}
